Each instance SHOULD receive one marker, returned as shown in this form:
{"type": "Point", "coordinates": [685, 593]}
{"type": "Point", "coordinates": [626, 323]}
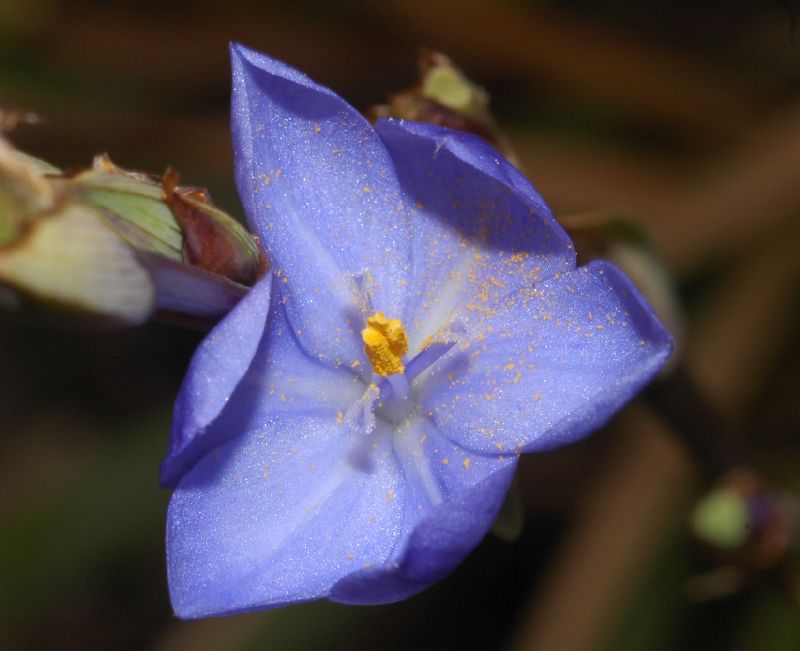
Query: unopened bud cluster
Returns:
{"type": "Point", "coordinates": [113, 246]}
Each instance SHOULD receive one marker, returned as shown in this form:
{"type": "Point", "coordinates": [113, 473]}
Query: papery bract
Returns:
{"type": "Point", "coordinates": [298, 472]}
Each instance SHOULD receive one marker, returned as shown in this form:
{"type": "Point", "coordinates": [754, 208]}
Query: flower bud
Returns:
{"type": "Point", "coordinates": [111, 245]}
{"type": "Point", "coordinates": [447, 97]}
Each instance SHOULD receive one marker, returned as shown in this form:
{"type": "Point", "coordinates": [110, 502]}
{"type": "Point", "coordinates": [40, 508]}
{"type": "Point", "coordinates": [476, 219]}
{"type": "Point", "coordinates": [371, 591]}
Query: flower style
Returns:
{"type": "Point", "coordinates": [350, 429]}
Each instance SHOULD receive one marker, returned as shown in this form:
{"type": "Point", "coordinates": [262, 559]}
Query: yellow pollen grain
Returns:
{"type": "Point", "coordinates": [390, 496]}
{"type": "Point", "coordinates": [446, 461]}
{"type": "Point", "coordinates": [385, 342]}
{"type": "Point", "coordinates": [340, 418]}
{"type": "Point", "coordinates": [466, 463]}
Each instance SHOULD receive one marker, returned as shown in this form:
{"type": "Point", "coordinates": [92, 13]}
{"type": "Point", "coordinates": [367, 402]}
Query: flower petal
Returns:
{"type": "Point", "coordinates": [279, 515]}
{"type": "Point", "coordinates": [452, 499]}
{"type": "Point", "coordinates": [479, 226]}
{"type": "Point", "coordinates": [249, 523]}
{"type": "Point", "coordinates": [218, 365]}
{"type": "Point", "coordinates": [545, 366]}
{"type": "Point", "coordinates": [320, 191]}
{"type": "Point", "coordinates": [280, 378]}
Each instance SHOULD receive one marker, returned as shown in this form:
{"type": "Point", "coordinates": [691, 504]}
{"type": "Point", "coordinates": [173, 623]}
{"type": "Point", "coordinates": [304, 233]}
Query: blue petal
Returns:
{"type": "Point", "coordinates": [217, 367]}
{"type": "Point", "coordinates": [453, 498]}
{"type": "Point", "coordinates": [277, 516]}
{"type": "Point", "coordinates": [319, 189]}
{"type": "Point", "coordinates": [542, 367]}
{"type": "Point", "coordinates": [478, 225]}
{"type": "Point", "coordinates": [249, 525]}
{"type": "Point", "coordinates": [280, 378]}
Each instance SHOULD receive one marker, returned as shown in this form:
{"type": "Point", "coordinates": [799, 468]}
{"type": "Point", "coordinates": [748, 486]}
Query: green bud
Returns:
{"type": "Point", "coordinates": [24, 191]}
{"type": "Point", "coordinates": [73, 260]}
{"type": "Point", "coordinates": [447, 85]}
{"type": "Point", "coordinates": [112, 245]}
{"type": "Point", "coordinates": [179, 223]}
{"type": "Point", "coordinates": [445, 96]}
{"type": "Point", "coordinates": [212, 239]}
{"type": "Point", "coordinates": [720, 519]}
{"type": "Point", "coordinates": [133, 204]}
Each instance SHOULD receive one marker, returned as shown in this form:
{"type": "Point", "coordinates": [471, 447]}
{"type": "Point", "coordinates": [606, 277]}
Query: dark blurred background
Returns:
{"type": "Point", "coordinates": [684, 116]}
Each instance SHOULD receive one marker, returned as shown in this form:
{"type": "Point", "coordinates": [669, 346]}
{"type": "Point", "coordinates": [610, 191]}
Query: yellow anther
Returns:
{"type": "Point", "coordinates": [385, 342]}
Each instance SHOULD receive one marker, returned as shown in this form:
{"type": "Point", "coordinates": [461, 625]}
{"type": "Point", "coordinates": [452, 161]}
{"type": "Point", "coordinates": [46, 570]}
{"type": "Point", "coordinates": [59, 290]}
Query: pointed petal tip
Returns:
{"type": "Point", "coordinates": [239, 53]}
{"type": "Point", "coordinates": [239, 50]}
{"type": "Point", "coordinates": [659, 335]}
{"type": "Point", "coordinates": [474, 154]}
{"type": "Point", "coordinates": [247, 60]}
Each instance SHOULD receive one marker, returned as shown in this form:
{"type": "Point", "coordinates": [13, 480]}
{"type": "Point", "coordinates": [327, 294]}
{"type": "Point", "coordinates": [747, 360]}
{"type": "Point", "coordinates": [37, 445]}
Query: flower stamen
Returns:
{"type": "Point", "coordinates": [385, 342]}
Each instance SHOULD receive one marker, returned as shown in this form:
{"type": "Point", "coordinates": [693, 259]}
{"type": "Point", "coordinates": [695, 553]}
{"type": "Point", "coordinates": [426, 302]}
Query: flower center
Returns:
{"type": "Point", "coordinates": [385, 342]}
{"type": "Point", "coordinates": [392, 398]}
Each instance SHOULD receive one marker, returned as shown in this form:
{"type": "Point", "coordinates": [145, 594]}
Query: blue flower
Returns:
{"type": "Point", "coordinates": [350, 429]}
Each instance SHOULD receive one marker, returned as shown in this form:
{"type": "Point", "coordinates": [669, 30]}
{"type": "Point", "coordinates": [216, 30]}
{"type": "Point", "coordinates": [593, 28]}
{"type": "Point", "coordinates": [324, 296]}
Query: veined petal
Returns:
{"type": "Point", "coordinates": [452, 499]}
{"type": "Point", "coordinates": [479, 227]}
{"type": "Point", "coordinates": [279, 515]}
{"type": "Point", "coordinates": [217, 367]}
{"type": "Point", "coordinates": [545, 366]}
{"type": "Point", "coordinates": [319, 190]}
